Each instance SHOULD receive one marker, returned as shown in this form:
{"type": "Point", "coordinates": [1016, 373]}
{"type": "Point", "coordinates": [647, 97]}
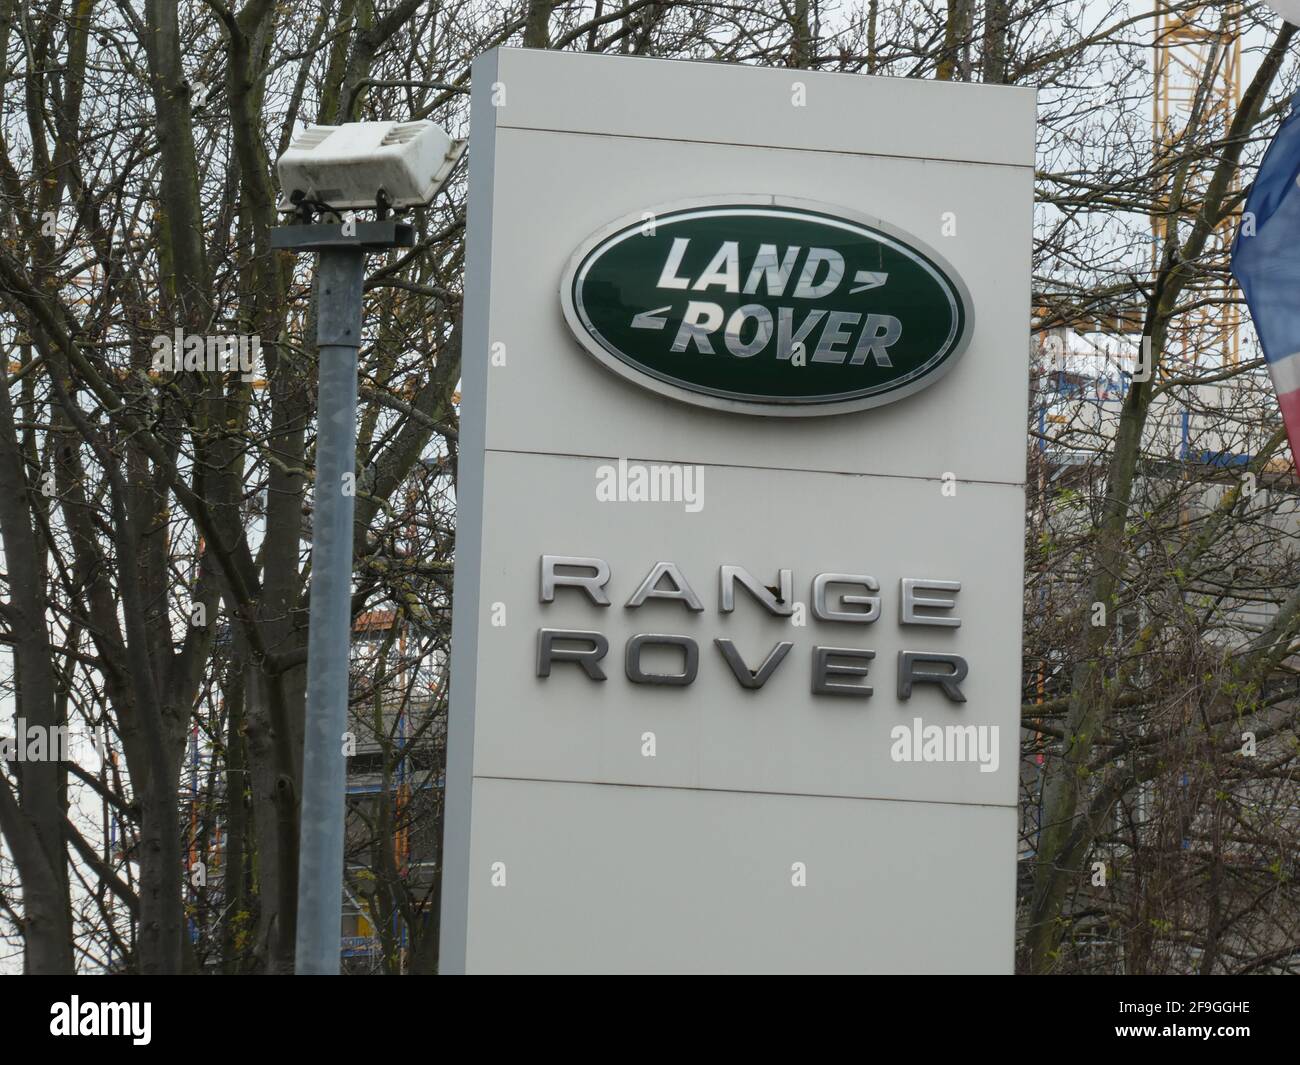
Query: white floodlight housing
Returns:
{"type": "Point", "coordinates": [348, 166]}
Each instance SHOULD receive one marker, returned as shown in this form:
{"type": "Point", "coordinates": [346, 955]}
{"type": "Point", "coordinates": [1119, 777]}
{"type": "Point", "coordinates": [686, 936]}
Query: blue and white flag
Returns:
{"type": "Point", "coordinates": [1266, 263]}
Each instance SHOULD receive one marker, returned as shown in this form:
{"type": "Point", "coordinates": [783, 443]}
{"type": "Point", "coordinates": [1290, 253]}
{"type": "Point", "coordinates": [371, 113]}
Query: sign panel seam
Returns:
{"type": "Point", "coordinates": [767, 147]}
{"type": "Point", "coordinates": [924, 478]}
{"type": "Point", "coordinates": [743, 791]}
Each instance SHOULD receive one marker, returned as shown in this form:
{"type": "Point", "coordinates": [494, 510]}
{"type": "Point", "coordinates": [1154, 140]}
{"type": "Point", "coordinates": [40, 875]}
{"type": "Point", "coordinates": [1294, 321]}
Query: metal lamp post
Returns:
{"type": "Point", "coordinates": [340, 274]}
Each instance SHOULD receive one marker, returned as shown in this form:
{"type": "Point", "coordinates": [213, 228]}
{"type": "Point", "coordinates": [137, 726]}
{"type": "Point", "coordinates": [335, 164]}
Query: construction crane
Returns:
{"type": "Point", "coordinates": [1197, 92]}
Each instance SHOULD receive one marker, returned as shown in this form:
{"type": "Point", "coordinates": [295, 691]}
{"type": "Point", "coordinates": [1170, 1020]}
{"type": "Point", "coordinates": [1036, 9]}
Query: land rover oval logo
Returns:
{"type": "Point", "coordinates": [766, 306]}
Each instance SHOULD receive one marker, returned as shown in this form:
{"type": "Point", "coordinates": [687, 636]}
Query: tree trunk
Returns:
{"type": "Point", "coordinates": [537, 27]}
{"type": "Point", "coordinates": [37, 831]}
{"type": "Point", "coordinates": [994, 67]}
{"type": "Point", "coordinates": [954, 61]}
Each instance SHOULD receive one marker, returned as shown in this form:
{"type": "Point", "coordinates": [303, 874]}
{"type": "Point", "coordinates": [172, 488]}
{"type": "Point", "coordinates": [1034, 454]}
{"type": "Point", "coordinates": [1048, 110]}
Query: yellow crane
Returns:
{"type": "Point", "coordinates": [1197, 92]}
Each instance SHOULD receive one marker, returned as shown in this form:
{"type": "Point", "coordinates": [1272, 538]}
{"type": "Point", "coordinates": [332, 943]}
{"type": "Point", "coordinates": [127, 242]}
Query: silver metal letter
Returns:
{"type": "Point", "coordinates": [753, 678]}
{"type": "Point", "coordinates": [593, 585]}
{"type": "Point", "coordinates": [824, 669]}
{"type": "Point", "coordinates": [632, 660]}
{"type": "Point", "coordinates": [911, 601]}
{"type": "Point", "coordinates": [880, 331]}
{"type": "Point", "coordinates": [781, 605]}
{"type": "Point", "coordinates": [680, 590]}
{"type": "Point", "coordinates": [824, 613]}
{"type": "Point", "coordinates": [836, 332]}
{"type": "Point", "coordinates": [588, 658]}
{"type": "Point", "coordinates": [762, 334]}
{"type": "Point", "coordinates": [908, 674]}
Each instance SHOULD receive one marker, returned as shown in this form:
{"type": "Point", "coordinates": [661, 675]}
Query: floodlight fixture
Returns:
{"type": "Point", "coordinates": [361, 165]}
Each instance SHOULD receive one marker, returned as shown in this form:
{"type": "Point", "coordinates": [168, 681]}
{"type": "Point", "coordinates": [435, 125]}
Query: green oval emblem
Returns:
{"type": "Point", "coordinates": [765, 305]}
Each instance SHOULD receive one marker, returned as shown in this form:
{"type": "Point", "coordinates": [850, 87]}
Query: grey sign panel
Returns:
{"type": "Point", "coordinates": [570, 195]}
{"type": "Point", "coordinates": [715, 733]}
{"type": "Point", "coordinates": [674, 101]}
{"type": "Point", "coordinates": [665, 880]}
{"type": "Point", "coordinates": [663, 754]}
